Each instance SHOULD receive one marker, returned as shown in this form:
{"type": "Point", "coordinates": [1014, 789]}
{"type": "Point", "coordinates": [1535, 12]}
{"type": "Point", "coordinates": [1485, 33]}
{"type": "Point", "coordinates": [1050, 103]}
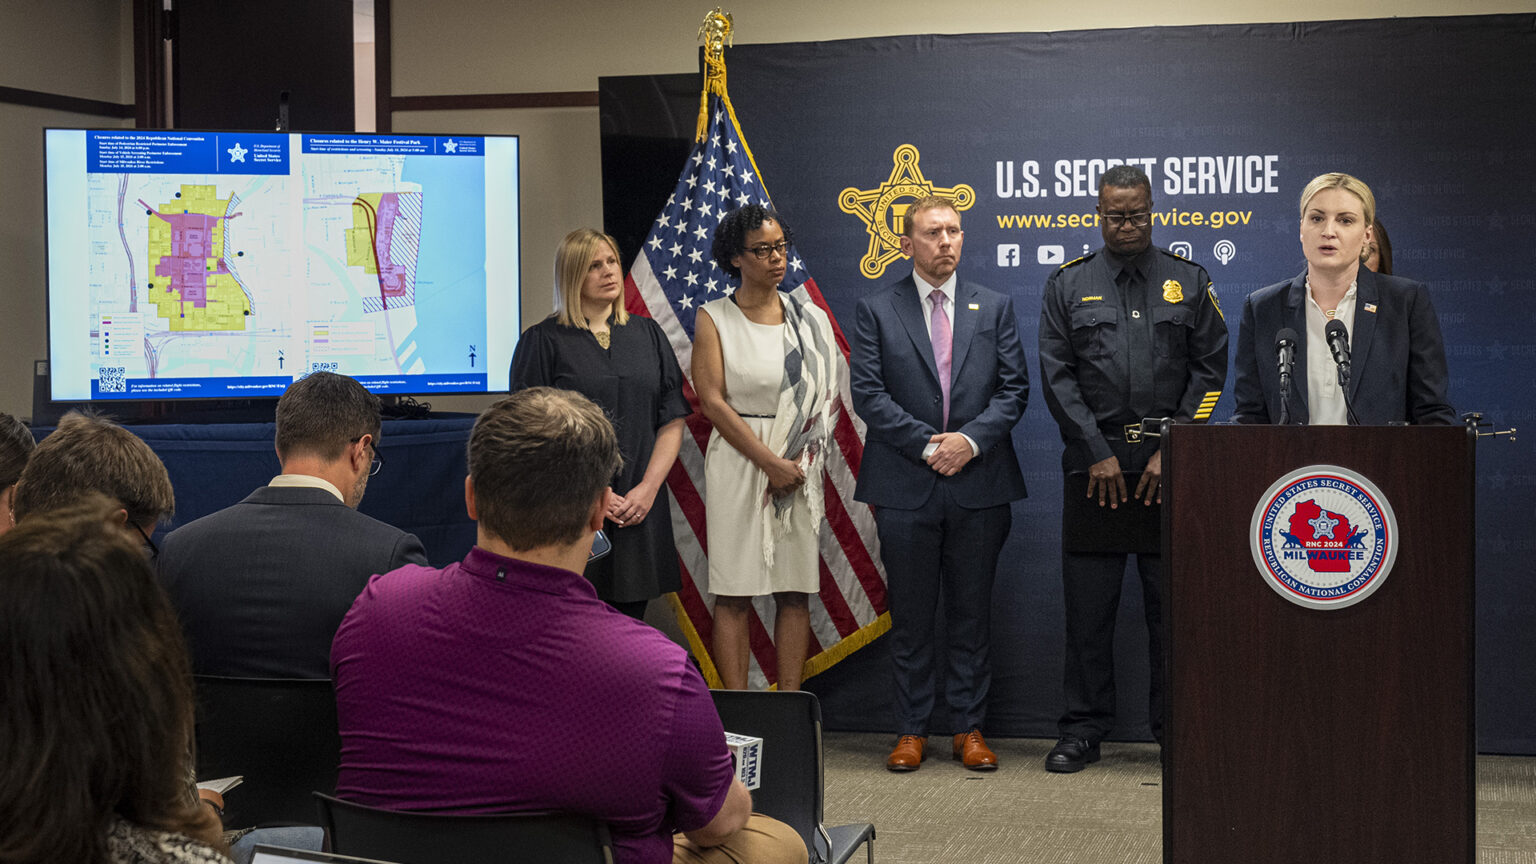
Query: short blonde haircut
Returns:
{"type": "Point", "coordinates": [1339, 180]}
{"type": "Point", "coordinates": [571, 259]}
{"type": "Point", "coordinates": [927, 202]}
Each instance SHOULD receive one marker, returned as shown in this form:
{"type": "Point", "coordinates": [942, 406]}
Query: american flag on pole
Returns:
{"type": "Point", "coordinates": [673, 276]}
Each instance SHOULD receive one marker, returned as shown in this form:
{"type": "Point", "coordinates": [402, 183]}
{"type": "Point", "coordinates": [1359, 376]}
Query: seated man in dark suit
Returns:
{"type": "Point", "coordinates": [503, 683]}
{"type": "Point", "coordinates": [261, 586]}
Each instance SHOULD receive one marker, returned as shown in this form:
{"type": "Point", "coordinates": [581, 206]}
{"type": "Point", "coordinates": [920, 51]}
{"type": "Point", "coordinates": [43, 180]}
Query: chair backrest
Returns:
{"type": "Point", "coordinates": [278, 733]}
{"type": "Point", "coordinates": [790, 726]}
{"type": "Point", "coordinates": [455, 838]}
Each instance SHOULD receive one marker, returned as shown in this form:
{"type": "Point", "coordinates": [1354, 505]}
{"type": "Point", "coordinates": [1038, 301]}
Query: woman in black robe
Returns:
{"type": "Point", "coordinates": [624, 364]}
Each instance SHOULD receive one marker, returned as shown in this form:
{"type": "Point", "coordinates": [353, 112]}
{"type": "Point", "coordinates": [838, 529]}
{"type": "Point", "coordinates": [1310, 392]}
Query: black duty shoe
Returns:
{"type": "Point", "coordinates": [1071, 754]}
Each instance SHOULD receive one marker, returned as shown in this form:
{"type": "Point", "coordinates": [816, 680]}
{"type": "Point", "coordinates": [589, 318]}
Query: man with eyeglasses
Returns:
{"type": "Point", "coordinates": [939, 378]}
{"type": "Point", "coordinates": [1128, 332]}
{"type": "Point", "coordinates": [261, 586]}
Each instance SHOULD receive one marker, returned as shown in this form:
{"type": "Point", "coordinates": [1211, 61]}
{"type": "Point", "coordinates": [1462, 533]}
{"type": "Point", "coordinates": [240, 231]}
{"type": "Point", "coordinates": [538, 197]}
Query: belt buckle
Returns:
{"type": "Point", "coordinates": [1133, 433]}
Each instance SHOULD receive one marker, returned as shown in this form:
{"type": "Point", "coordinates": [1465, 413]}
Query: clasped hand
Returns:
{"type": "Point", "coordinates": [784, 476]}
{"type": "Point", "coordinates": [631, 509]}
{"type": "Point", "coordinates": [952, 454]}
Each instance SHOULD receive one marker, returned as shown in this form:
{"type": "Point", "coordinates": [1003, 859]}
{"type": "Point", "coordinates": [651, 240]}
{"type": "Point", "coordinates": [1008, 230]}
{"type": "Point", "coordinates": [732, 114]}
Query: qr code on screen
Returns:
{"type": "Point", "coordinates": [113, 380]}
{"type": "Point", "coordinates": [324, 367]}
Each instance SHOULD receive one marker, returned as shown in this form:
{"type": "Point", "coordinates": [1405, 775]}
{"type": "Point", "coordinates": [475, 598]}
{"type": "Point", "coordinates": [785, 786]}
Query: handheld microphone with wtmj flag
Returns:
{"type": "Point", "coordinates": [1338, 343]}
{"type": "Point", "coordinates": [1285, 357]}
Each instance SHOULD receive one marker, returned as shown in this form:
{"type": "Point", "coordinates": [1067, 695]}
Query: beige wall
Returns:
{"type": "Point", "coordinates": [83, 48]}
{"type": "Point", "coordinates": [79, 48]}
{"type": "Point", "coordinates": [504, 46]}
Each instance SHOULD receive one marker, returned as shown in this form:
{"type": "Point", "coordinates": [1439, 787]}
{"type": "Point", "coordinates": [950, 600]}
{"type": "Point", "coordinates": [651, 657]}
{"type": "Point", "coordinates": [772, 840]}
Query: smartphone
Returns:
{"type": "Point", "coordinates": [601, 546]}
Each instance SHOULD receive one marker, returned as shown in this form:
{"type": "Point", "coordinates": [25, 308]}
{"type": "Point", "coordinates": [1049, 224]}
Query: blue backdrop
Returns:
{"type": "Point", "coordinates": [1231, 121]}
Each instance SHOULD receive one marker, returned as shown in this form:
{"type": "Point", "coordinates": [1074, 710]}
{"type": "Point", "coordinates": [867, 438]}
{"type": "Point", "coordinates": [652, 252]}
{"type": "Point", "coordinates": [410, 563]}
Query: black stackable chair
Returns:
{"type": "Point", "coordinates": [792, 770]}
{"type": "Point", "coordinates": [279, 734]}
{"type": "Point", "coordinates": [455, 838]}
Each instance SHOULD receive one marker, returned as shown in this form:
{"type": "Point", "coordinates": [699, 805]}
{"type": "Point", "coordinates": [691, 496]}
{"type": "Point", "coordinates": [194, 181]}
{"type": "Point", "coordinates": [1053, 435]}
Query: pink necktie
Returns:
{"type": "Point", "coordinates": [943, 343]}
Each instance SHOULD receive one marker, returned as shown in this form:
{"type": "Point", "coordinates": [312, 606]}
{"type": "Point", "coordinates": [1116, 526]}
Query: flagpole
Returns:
{"type": "Point", "coordinates": [671, 278]}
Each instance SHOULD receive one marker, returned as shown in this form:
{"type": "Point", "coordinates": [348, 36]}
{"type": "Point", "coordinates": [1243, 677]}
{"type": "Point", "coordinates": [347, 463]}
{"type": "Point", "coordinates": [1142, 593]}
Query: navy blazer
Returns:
{"type": "Point", "coordinates": [1397, 355]}
{"type": "Point", "coordinates": [895, 385]}
{"type": "Point", "coordinates": [260, 587]}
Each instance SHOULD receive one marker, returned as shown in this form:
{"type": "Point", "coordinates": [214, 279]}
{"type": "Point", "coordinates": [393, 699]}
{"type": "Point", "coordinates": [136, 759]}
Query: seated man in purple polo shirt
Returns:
{"type": "Point", "coordinates": [503, 683]}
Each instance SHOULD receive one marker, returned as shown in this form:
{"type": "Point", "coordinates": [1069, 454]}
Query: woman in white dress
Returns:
{"type": "Point", "coordinates": [763, 370]}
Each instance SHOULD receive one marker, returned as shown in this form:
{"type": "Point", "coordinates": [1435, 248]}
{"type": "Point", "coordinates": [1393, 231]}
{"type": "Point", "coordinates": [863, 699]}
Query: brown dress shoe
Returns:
{"type": "Point", "coordinates": [972, 751]}
{"type": "Point", "coordinates": [908, 755]}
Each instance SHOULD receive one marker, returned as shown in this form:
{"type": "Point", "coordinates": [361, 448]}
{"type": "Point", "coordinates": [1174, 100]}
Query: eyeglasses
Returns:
{"type": "Point", "coordinates": [1138, 220]}
{"type": "Point", "coordinates": [378, 461]}
{"type": "Point", "coordinates": [154, 551]}
{"type": "Point", "coordinates": [763, 252]}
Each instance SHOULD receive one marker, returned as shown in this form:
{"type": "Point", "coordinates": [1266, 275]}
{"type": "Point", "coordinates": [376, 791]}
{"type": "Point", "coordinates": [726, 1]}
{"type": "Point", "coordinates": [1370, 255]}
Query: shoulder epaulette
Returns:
{"type": "Point", "coordinates": [1078, 260]}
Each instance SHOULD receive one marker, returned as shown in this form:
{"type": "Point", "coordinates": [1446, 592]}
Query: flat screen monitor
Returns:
{"type": "Point", "coordinates": [196, 265]}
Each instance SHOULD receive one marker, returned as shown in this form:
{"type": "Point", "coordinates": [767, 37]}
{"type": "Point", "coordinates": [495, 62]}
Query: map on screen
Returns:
{"type": "Point", "coordinates": [219, 264]}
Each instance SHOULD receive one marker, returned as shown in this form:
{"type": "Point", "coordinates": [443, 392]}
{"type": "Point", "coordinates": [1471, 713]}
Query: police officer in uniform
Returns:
{"type": "Point", "coordinates": [1128, 332]}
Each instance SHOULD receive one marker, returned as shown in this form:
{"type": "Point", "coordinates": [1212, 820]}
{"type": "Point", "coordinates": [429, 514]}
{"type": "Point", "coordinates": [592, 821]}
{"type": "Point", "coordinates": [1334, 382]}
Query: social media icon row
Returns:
{"type": "Point", "coordinates": [1009, 254]}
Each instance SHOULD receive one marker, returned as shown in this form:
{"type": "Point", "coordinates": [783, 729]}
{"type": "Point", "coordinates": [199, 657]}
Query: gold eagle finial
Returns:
{"type": "Point", "coordinates": [715, 32]}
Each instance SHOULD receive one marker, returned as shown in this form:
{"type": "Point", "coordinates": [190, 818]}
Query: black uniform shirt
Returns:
{"type": "Point", "coordinates": [1126, 338]}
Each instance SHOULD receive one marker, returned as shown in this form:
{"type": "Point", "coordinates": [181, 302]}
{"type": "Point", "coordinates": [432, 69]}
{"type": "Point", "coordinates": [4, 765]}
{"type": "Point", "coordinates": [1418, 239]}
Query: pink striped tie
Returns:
{"type": "Point", "coordinates": [943, 344]}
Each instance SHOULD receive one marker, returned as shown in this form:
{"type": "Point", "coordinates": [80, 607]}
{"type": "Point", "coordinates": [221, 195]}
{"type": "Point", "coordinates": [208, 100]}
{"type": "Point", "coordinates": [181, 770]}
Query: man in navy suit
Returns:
{"type": "Point", "coordinates": [939, 378]}
{"type": "Point", "coordinates": [261, 587]}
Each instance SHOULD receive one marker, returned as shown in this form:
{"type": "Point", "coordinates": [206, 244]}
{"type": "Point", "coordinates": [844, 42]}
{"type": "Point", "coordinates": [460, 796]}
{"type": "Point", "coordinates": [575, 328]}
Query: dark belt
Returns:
{"type": "Point", "coordinates": [1130, 433]}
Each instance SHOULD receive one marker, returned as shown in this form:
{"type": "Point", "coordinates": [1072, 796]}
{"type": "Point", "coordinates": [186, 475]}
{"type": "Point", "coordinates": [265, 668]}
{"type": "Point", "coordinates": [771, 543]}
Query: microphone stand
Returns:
{"type": "Point", "coordinates": [1285, 396]}
{"type": "Point", "coordinates": [1349, 404]}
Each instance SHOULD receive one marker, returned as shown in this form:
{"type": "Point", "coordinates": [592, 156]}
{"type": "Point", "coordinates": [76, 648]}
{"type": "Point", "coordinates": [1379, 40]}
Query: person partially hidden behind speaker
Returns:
{"type": "Point", "coordinates": [503, 683]}
{"type": "Point", "coordinates": [1377, 256]}
{"type": "Point", "coordinates": [1381, 329]}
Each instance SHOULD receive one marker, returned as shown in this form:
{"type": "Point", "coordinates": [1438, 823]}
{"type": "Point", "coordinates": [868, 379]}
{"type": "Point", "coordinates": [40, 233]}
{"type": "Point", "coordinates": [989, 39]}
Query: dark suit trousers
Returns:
{"type": "Point", "coordinates": [943, 549]}
{"type": "Point", "coordinates": [1091, 589]}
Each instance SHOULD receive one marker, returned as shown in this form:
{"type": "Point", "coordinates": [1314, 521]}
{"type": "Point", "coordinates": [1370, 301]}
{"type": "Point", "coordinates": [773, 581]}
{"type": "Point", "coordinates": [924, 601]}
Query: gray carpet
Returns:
{"type": "Point", "coordinates": [1108, 814]}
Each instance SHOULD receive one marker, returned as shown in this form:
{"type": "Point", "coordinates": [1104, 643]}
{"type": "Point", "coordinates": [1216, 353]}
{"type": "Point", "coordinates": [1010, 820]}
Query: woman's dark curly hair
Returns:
{"type": "Point", "coordinates": [731, 234]}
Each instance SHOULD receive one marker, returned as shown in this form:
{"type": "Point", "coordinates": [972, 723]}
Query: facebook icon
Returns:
{"type": "Point", "coordinates": [1007, 254]}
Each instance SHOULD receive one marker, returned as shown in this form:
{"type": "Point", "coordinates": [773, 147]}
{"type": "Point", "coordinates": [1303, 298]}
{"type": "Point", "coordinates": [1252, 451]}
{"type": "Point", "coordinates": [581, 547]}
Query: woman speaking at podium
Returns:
{"type": "Point", "coordinates": [624, 364]}
{"type": "Point", "coordinates": [1340, 321]}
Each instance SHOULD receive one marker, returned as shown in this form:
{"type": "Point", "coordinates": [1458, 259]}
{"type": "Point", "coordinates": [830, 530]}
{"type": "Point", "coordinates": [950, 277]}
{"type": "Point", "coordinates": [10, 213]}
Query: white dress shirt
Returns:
{"type": "Point", "coordinates": [307, 481]}
{"type": "Point", "coordinates": [1325, 401]}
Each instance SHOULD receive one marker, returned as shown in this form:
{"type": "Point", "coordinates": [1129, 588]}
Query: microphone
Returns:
{"type": "Point", "coordinates": [1285, 357]}
{"type": "Point", "coordinates": [1338, 343]}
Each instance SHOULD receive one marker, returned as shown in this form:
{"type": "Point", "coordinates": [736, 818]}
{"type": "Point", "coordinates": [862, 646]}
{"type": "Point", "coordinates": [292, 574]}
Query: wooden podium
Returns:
{"type": "Point", "coordinates": [1300, 735]}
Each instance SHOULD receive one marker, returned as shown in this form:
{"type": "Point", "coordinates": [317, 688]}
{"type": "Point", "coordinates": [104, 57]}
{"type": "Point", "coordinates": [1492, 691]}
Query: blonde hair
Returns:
{"type": "Point", "coordinates": [927, 202]}
{"type": "Point", "coordinates": [1339, 180]}
{"type": "Point", "coordinates": [572, 257]}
